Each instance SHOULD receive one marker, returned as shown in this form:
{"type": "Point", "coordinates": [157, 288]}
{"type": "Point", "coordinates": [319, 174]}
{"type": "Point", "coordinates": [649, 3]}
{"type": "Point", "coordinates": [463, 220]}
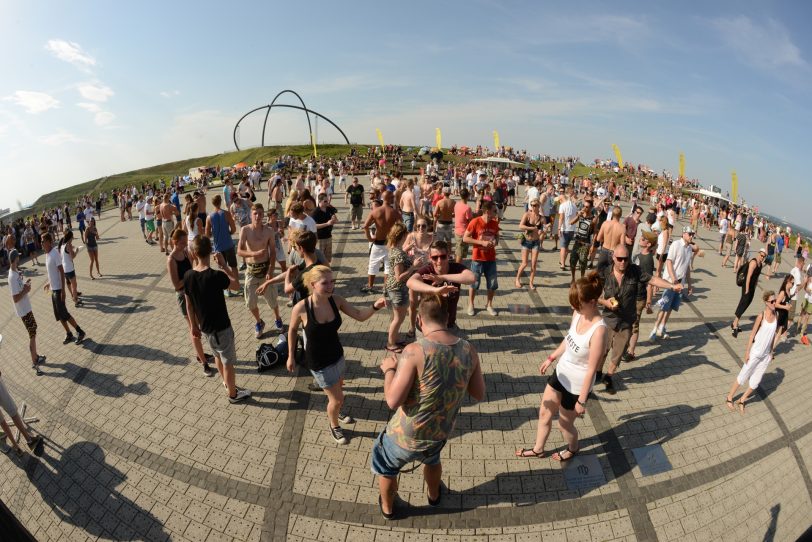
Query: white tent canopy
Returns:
{"type": "Point", "coordinates": [710, 194]}
{"type": "Point", "coordinates": [497, 160]}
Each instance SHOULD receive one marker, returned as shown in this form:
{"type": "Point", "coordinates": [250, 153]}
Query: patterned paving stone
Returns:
{"type": "Point", "coordinates": [142, 446]}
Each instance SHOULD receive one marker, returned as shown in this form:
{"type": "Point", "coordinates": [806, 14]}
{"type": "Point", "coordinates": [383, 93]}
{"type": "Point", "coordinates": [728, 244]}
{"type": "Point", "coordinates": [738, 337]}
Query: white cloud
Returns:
{"type": "Point", "coordinates": [103, 118]}
{"type": "Point", "coordinates": [95, 92]}
{"type": "Point", "coordinates": [70, 52]}
{"type": "Point", "coordinates": [170, 93]}
{"type": "Point", "coordinates": [93, 108]}
{"type": "Point", "coordinates": [100, 117]}
{"type": "Point", "coordinates": [764, 46]}
{"type": "Point", "coordinates": [59, 138]}
{"type": "Point", "coordinates": [33, 102]}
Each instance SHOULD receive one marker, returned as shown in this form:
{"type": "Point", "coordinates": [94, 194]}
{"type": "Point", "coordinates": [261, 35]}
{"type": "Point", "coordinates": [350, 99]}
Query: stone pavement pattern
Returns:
{"type": "Point", "coordinates": [141, 446]}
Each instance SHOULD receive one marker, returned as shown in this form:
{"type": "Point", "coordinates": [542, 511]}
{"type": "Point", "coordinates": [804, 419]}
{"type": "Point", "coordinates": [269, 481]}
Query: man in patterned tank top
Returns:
{"type": "Point", "coordinates": [425, 388]}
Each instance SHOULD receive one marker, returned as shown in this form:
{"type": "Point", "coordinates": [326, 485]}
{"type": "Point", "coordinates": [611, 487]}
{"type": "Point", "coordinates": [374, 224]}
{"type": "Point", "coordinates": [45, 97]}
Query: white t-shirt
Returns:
{"type": "Point", "coordinates": [52, 263]}
{"type": "Point", "coordinates": [88, 214]}
{"type": "Point", "coordinates": [569, 210]}
{"type": "Point", "coordinates": [67, 260]}
{"type": "Point", "coordinates": [724, 224]}
{"type": "Point", "coordinates": [796, 274]}
{"type": "Point", "coordinates": [16, 284]}
{"type": "Point", "coordinates": [680, 254]}
{"type": "Point", "coordinates": [149, 212]}
{"type": "Point", "coordinates": [140, 208]}
{"type": "Point", "coordinates": [306, 223]}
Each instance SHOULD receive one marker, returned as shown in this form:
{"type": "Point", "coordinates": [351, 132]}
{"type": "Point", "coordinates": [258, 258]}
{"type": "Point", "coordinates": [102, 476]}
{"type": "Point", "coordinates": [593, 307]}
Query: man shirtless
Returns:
{"type": "Point", "coordinates": [407, 205]}
{"type": "Point", "coordinates": [167, 212]}
{"type": "Point", "coordinates": [257, 245]}
{"type": "Point", "coordinates": [444, 217]}
{"type": "Point", "coordinates": [383, 218]}
{"type": "Point", "coordinates": [611, 235]}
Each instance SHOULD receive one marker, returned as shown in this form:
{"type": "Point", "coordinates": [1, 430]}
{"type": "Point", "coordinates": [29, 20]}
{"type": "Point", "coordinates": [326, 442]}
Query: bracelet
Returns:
{"type": "Point", "coordinates": [389, 369]}
{"type": "Point", "coordinates": [580, 403]}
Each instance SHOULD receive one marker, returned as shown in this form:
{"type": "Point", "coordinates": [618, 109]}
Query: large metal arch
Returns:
{"type": "Point", "coordinates": [273, 104]}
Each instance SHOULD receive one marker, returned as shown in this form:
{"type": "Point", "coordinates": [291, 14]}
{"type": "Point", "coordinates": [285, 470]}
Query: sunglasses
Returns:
{"type": "Point", "coordinates": [421, 226]}
{"type": "Point", "coordinates": [621, 259]}
{"type": "Point", "coordinates": [771, 301]}
{"type": "Point", "coordinates": [439, 257]}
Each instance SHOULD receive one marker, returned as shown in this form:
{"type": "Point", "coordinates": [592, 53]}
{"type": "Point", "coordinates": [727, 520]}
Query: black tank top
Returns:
{"type": "Point", "coordinates": [183, 266]}
{"type": "Point", "coordinates": [323, 347]}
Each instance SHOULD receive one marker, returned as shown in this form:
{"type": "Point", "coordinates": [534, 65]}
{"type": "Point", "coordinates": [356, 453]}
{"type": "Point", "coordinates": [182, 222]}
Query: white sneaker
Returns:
{"type": "Point", "coordinates": [470, 310]}
{"type": "Point", "coordinates": [660, 331]}
{"type": "Point", "coordinates": [664, 334]}
{"type": "Point", "coordinates": [491, 310]}
{"type": "Point", "coordinates": [241, 396]}
{"type": "Point", "coordinates": [653, 334]}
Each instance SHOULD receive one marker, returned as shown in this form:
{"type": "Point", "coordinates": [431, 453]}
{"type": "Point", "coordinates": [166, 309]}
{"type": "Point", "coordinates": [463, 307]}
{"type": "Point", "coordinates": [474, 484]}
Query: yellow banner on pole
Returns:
{"type": "Point", "coordinates": [439, 139]}
{"type": "Point", "coordinates": [618, 155]}
{"type": "Point", "coordinates": [681, 165]}
{"type": "Point", "coordinates": [495, 140]}
{"type": "Point", "coordinates": [313, 142]}
{"type": "Point", "coordinates": [380, 138]}
{"type": "Point", "coordinates": [734, 182]}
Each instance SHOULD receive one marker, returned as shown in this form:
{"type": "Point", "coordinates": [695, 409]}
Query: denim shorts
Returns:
{"type": "Point", "coordinates": [388, 458]}
{"type": "Point", "coordinates": [489, 270]}
{"type": "Point", "coordinates": [670, 301]}
{"type": "Point", "coordinates": [565, 238]}
{"type": "Point", "coordinates": [530, 245]}
{"type": "Point", "coordinates": [330, 375]}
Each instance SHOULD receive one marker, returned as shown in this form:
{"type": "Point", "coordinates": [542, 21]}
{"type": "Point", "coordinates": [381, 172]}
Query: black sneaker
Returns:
{"type": "Point", "coordinates": [338, 435]}
{"type": "Point", "coordinates": [34, 442]}
{"type": "Point", "coordinates": [314, 387]}
{"type": "Point", "coordinates": [41, 360]}
{"type": "Point", "coordinates": [208, 370]}
{"type": "Point", "coordinates": [598, 376]}
{"type": "Point", "coordinates": [610, 386]}
{"type": "Point", "coordinates": [37, 370]}
{"type": "Point", "coordinates": [80, 337]}
{"type": "Point", "coordinates": [68, 338]}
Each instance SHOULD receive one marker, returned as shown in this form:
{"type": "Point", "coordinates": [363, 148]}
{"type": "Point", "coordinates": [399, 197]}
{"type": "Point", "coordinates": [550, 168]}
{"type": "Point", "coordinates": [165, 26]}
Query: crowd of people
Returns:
{"type": "Point", "coordinates": [430, 234]}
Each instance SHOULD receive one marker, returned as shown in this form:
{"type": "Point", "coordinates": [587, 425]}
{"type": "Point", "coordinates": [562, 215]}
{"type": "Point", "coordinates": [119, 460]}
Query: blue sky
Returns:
{"type": "Point", "coordinates": [95, 88]}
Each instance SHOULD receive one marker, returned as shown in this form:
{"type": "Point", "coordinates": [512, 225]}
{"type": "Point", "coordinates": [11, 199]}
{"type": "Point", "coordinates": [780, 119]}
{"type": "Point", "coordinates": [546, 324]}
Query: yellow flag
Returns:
{"type": "Point", "coordinates": [681, 165]}
{"type": "Point", "coordinates": [313, 142]}
{"type": "Point", "coordinates": [495, 140]}
{"type": "Point", "coordinates": [735, 186]}
{"type": "Point", "coordinates": [618, 155]}
{"type": "Point", "coordinates": [380, 137]}
{"type": "Point", "coordinates": [439, 139]}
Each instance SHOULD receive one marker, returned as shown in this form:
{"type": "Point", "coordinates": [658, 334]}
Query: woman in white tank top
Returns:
{"type": "Point", "coordinates": [568, 388]}
{"type": "Point", "coordinates": [758, 355]}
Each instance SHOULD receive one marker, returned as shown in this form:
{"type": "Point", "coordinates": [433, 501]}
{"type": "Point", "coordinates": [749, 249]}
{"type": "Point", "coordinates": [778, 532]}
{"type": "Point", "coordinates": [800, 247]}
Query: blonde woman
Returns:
{"type": "Point", "coordinates": [661, 254]}
{"type": "Point", "coordinates": [401, 267]}
{"type": "Point", "coordinates": [318, 314]}
{"type": "Point", "coordinates": [417, 246]}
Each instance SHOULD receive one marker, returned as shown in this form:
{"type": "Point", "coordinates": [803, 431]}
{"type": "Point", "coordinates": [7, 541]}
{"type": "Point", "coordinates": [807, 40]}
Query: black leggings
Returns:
{"type": "Point", "coordinates": [745, 301]}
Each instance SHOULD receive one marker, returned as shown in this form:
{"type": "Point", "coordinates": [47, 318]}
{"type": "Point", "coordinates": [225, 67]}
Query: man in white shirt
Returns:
{"type": "Point", "coordinates": [56, 284]}
{"type": "Point", "coordinates": [566, 212]}
{"type": "Point", "coordinates": [724, 225]}
{"type": "Point", "coordinates": [299, 220]}
{"type": "Point", "coordinates": [677, 271]}
{"type": "Point", "coordinates": [142, 220]}
{"type": "Point", "coordinates": [22, 307]}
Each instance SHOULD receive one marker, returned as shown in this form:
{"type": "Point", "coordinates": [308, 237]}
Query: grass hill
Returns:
{"type": "Point", "coordinates": [268, 154]}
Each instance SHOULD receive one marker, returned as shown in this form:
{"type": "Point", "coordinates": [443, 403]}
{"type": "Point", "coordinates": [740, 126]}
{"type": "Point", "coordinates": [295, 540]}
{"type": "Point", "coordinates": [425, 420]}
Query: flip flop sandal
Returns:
{"type": "Point", "coordinates": [530, 452]}
{"type": "Point", "coordinates": [741, 407]}
{"type": "Point", "coordinates": [558, 457]}
{"type": "Point", "coordinates": [730, 405]}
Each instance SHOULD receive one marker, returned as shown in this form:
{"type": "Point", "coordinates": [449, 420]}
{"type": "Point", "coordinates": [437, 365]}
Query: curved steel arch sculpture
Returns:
{"type": "Point", "coordinates": [273, 104]}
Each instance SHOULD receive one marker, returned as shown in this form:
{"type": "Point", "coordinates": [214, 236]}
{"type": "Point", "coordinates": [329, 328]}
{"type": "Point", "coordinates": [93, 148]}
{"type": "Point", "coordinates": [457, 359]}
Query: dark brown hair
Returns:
{"type": "Point", "coordinates": [586, 289]}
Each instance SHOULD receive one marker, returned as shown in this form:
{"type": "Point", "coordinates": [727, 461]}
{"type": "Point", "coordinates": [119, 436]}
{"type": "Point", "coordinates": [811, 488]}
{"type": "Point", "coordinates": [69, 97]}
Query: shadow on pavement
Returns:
{"type": "Point", "coordinates": [80, 488]}
{"type": "Point", "coordinates": [104, 384]}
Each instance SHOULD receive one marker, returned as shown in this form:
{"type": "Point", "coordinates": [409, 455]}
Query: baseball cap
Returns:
{"type": "Point", "coordinates": [762, 249]}
{"type": "Point", "coordinates": [688, 229]}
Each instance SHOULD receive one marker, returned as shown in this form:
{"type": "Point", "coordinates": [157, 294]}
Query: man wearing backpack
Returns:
{"type": "Point", "coordinates": [750, 275]}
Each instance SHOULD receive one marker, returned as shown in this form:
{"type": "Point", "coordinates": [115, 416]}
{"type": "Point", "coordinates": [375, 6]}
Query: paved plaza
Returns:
{"type": "Point", "coordinates": [141, 446]}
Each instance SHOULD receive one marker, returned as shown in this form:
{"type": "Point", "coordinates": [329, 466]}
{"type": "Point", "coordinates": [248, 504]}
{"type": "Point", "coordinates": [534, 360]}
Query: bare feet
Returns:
{"type": "Point", "coordinates": [517, 284]}
{"type": "Point", "coordinates": [729, 403]}
{"type": "Point", "coordinates": [741, 407]}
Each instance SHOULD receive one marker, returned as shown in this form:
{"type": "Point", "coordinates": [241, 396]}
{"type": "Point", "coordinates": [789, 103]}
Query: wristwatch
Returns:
{"type": "Point", "coordinates": [580, 403]}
